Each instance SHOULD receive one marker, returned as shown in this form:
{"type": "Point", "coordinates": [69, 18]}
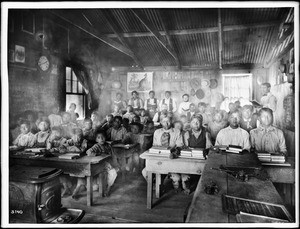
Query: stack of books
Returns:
{"type": "Point", "coordinates": [192, 153]}
{"type": "Point", "coordinates": [198, 153]}
{"type": "Point", "coordinates": [234, 149]}
{"type": "Point", "coordinates": [270, 158]}
{"type": "Point", "coordinates": [159, 151]}
{"type": "Point", "coordinates": [186, 153]}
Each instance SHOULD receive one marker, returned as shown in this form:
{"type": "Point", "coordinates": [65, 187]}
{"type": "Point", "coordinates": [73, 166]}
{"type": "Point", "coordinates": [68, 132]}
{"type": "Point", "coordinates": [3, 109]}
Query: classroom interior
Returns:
{"type": "Point", "coordinates": [88, 56]}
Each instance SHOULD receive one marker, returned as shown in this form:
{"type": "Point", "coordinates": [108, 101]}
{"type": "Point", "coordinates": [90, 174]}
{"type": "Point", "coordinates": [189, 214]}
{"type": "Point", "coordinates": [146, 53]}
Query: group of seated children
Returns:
{"type": "Point", "coordinates": [197, 127]}
{"type": "Point", "coordinates": [239, 129]}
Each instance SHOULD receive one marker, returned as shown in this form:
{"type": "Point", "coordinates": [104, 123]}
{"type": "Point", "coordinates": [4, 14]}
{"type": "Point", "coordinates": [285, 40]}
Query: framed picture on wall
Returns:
{"type": "Point", "coordinates": [139, 81]}
{"type": "Point", "coordinates": [19, 54]}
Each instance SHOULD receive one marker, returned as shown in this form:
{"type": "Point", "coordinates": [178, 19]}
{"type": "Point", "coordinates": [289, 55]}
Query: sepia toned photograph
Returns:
{"type": "Point", "coordinates": [150, 114]}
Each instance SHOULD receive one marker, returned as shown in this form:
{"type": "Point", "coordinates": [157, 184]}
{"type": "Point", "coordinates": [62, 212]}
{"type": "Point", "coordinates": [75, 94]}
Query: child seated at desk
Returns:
{"type": "Point", "coordinates": [149, 127]}
{"type": "Point", "coordinates": [117, 133]}
{"type": "Point", "coordinates": [56, 142]}
{"type": "Point", "coordinates": [111, 167]}
{"type": "Point", "coordinates": [77, 143]}
{"type": "Point", "coordinates": [107, 123]}
{"type": "Point", "coordinates": [88, 132]}
{"type": "Point", "coordinates": [197, 137]}
{"type": "Point", "coordinates": [267, 138]}
{"type": "Point", "coordinates": [54, 117]}
{"type": "Point", "coordinates": [216, 125]}
{"type": "Point", "coordinates": [129, 114]}
{"type": "Point", "coordinates": [143, 116]}
{"type": "Point", "coordinates": [43, 134]}
{"type": "Point", "coordinates": [67, 125]}
{"type": "Point", "coordinates": [26, 138]}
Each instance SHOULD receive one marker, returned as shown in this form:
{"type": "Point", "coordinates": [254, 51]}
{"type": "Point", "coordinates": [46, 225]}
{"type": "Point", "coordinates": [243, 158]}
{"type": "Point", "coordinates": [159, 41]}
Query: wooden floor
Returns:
{"type": "Point", "coordinates": [127, 204]}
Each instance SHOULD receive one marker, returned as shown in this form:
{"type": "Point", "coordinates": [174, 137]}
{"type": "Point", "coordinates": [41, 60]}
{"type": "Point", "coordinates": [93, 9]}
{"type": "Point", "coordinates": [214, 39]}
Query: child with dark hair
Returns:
{"type": "Point", "coordinates": [143, 116]}
{"type": "Point", "coordinates": [77, 143]}
{"type": "Point", "coordinates": [117, 133]}
{"type": "Point", "coordinates": [191, 112]}
{"type": "Point", "coordinates": [248, 120]}
{"type": "Point", "coordinates": [125, 124]}
{"type": "Point", "coordinates": [108, 122]}
{"type": "Point", "coordinates": [40, 116]}
{"type": "Point", "coordinates": [136, 118]}
{"type": "Point", "coordinates": [136, 127]}
{"type": "Point", "coordinates": [44, 133]}
{"type": "Point", "coordinates": [26, 138]}
{"type": "Point", "coordinates": [30, 117]}
{"type": "Point", "coordinates": [149, 127]}
{"type": "Point", "coordinates": [95, 119]}
{"type": "Point", "coordinates": [88, 132]}
{"type": "Point", "coordinates": [129, 114]}
{"type": "Point", "coordinates": [216, 125]}
{"type": "Point", "coordinates": [111, 167]}
{"type": "Point", "coordinates": [202, 110]}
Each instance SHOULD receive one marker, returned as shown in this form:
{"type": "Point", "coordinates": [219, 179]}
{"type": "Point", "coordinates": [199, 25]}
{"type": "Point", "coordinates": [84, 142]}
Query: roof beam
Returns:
{"type": "Point", "coordinates": [149, 25]}
{"type": "Point", "coordinates": [226, 28]}
{"type": "Point", "coordinates": [91, 31]}
{"type": "Point", "coordinates": [112, 24]}
{"type": "Point", "coordinates": [169, 39]}
{"type": "Point", "coordinates": [220, 38]}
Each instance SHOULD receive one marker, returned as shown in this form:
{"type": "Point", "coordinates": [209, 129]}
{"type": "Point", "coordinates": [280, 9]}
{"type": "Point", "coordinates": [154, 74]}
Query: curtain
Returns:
{"type": "Point", "coordinates": [84, 78]}
{"type": "Point", "coordinates": [236, 87]}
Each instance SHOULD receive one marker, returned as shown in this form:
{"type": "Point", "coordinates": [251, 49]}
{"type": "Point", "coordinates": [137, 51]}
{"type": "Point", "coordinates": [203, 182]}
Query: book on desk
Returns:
{"type": "Point", "coordinates": [234, 149]}
{"type": "Point", "coordinates": [74, 155]}
{"type": "Point", "coordinates": [192, 153]}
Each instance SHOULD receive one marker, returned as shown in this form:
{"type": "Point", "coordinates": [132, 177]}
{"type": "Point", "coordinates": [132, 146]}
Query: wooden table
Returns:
{"type": "Point", "coordinates": [124, 155]}
{"type": "Point", "coordinates": [163, 165]}
{"type": "Point", "coordinates": [208, 208]}
{"type": "Point", "coordinates": [82, 167]}
{"type": "Point", "coordinates": [282, 174]}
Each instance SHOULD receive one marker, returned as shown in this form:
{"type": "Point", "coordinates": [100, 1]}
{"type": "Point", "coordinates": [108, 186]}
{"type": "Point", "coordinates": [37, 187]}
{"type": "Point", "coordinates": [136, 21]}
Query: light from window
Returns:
{"type": "Point", "coordinates": [74, 93]}
{"type": "Point", "coordinates": [236, 86]}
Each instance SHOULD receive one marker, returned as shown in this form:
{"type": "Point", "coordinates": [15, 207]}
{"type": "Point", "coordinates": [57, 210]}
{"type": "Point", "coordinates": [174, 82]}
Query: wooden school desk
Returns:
{"type": "Point", "coordinates": [82, 167]}
{"type": "Point", "coordinates": [207, 208]}
{"type": "Point", "coordinates": [163, 165]}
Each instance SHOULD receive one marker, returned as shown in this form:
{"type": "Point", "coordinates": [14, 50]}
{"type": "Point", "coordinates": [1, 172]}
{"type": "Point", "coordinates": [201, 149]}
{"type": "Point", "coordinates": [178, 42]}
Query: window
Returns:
{"type": "Point", "coordinates": [236, 86]}
{"type": "Point", "coordinates": [74, 93]}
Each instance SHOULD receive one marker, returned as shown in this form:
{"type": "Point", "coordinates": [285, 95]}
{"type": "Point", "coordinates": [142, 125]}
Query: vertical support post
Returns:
{"type": "Point", "coordinates": [220, 38]}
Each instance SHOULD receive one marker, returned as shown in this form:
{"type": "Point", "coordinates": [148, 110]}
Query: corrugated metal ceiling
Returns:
{"type": "Point", "coordinates": [194, 33]}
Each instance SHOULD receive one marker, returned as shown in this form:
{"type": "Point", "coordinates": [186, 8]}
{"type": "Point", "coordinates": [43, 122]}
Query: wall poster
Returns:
{"type": "Point", "coordinates": [139, 81]}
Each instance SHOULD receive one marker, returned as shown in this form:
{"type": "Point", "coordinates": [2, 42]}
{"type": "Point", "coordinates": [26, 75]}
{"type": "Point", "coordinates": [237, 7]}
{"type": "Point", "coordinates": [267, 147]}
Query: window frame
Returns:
{"type": "Point", "coordinates": [250, 75]}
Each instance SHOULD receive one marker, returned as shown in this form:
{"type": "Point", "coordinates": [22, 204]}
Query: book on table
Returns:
{"type": "Point", "coordinates": [158, 150]}
{"type": "Point", "coordinates": [74, 155]}
{"type": "Point", "coordinates": [234, 149]}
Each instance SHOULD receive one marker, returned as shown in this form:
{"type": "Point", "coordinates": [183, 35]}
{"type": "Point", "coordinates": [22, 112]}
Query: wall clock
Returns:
{"type": "Point", "coordinates": [44, 63]}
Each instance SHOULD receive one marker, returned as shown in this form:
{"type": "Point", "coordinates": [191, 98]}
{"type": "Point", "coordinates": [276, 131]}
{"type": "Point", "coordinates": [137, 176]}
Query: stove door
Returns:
{"type": "Point", "coordinates": [50, 203]}
{"type": "Point", "coordinates": [69, 216]}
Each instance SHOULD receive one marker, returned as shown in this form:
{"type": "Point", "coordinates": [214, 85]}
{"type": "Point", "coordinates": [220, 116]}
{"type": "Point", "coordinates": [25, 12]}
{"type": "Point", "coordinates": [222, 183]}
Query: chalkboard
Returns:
{"type": "Point", "coordinates": [235, 205]}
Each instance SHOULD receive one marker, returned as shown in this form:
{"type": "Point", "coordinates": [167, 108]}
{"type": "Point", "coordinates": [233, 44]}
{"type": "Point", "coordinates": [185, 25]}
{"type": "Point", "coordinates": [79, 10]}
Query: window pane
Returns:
{"type": "Point", "coordinates": [79, 101]}
{"type": "Point", "coordinates": [74, 89]}
{"type": "Point", "coordinates": [74, 76]}
{"type": "Point", "coordinates": [68, 73]}
{"type": "Point", "coordinates": [68, 86]}
{"type": "Point", "coordinates": [79, 88]}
